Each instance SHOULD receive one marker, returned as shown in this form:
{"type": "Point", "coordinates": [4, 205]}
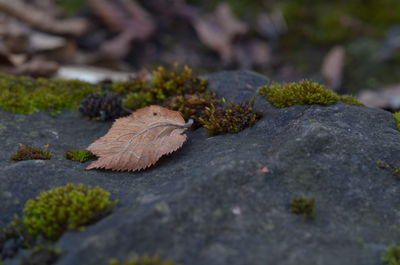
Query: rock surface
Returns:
{"type": "Point", "coordinates": [210, 202]}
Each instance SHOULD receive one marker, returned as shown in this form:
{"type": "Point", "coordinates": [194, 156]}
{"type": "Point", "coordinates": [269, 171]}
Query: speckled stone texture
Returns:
{"type": "Point", "coordinates": [210, 203]}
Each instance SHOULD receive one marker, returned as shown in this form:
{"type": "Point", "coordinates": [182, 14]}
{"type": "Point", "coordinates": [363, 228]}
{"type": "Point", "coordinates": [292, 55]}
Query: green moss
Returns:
{"type": "Point", "coordinates": [304, 92]}
{"type": "Point", "coordinates": [396, 172]}
{"type": "Point", "coordinates": [192, 106]}
{"type": "Point", "coordinates": [392, 256]}
{"type": "Point", "coordinates": [177, 81]}
{"type": "Point", "coordinates": [304, 206]}
{"type": "Point", "coordinates": [27, 152]}
{"type": "Point", "coordinates": [144, 260]}
{"type": "Point", "coordinates": [78, 155]}
{"type": "Point", "coordinates": [231, 118]}
{"type": "Point", "coordinates": [41, 255]}
{"type": "Point", "coordinates": [382, 164]}
{"type": "Point", "coordinates": [25, 95]}
{"type": "Point", "coordinates": [127, 87]}
{"type": "Point", "coordinates": [137, 100]}
{"type": "Point", "coordinates": [348, 99]}
{"type": "Point", "coordinates": [397, 117]}
{"type": "Point", "coordinates": [68, 207]}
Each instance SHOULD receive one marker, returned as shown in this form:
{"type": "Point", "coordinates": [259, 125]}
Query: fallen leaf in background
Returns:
{"type": "Point", "coordinates": [126, 17]}
{"type": "Point", "coordinates": [41, 20]}
{"type": "Point", "coordinates": [388, 98]}
{"type": "Point", "coordinates": [22, 65]}
{"type": "Point", "coordinates": [139, 140]}
{"type": "Point", "coordinates": [36, 67]}
{"type": "Point", "coordinates": [218, 30]}
{"type": "Point", "coordinates": [332, 67]}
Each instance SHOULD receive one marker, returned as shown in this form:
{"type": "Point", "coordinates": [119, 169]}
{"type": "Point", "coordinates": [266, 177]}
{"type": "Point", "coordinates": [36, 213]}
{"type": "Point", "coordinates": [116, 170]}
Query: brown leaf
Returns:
{"type": "Point", "coordinates": [139, 140]}
{"type": "Point", "coordinates": [218, 30]}
{"type": "Point", "coordinates": [386, 98]}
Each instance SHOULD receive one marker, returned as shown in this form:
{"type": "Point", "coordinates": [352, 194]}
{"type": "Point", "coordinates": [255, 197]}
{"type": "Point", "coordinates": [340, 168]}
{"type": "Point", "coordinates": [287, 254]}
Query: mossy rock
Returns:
{"type": "Point", "coordinates": [211, 202]}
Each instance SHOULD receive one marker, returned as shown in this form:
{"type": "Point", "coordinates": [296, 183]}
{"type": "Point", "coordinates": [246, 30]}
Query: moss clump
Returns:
{"type": "Point", "coordinates": [165, 84]}
{"type": "Point", "coordinates": [27, 152]}
{"type": "Point", "coordinates": [304, 206]}
{"type": "Point", "coordinates": [231, 118]}
{"type": "Point", "coordinates": [304, 92]}
{"type": "Point", "coordinates": [193, 106]}
{"type": "Point", "coordinates": [137, 100]}
{"type": "Point", "coordinates": [396, 172]}
{"type": "Point", "coordinates": [348, 99]}
{"type": "Point", "coordinates": [382, 164]}
{"type": "Point", "coordinates": [178, 81]}
{"type": "Point", "coordinates": [392, 256]}
{"type": "Point", "coordinates": [144, 260]}
{"type": "Point", "coordinates": [78, 155]}
{"type": "Point", "coordinates": [64, 208]}
{"type": "Point", "coordinates": [127, 87]}
{"type": "Point", "coordinates": [397, 117]}
{"type": "Point", "coordinates": [42, 255]}
{"type": "Point", "coordinates": [25, 95]}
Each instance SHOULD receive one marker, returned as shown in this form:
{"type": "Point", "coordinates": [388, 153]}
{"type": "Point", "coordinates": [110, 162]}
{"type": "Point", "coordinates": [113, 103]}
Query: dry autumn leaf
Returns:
{"type": "Point", "coordinates": [218, 30]}
{"type": "Point", "coordinates": [139, 140]}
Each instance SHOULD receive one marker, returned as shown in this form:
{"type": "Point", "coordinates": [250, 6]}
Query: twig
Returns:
{"type": "Point", "coordinates": [126, 17]}
{"type": "Point", "coordinates": [108, 13]}
{"type": "Point", "coordinates": [41, 20]}
{"type": "Point", "coordinates": [123, 15]}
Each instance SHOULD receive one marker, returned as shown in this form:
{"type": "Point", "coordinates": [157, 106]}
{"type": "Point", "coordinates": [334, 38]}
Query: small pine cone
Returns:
{"type": "Point", "coordinates": [101, 106]}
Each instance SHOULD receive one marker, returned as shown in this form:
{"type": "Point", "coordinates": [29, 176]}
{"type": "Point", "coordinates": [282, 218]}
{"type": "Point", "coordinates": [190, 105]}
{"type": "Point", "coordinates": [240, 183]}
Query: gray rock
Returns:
{"type": "Point", "coordinates": [210, 203]}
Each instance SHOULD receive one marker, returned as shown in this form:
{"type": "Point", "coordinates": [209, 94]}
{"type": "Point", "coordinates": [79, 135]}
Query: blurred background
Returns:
{"type": "Point", "coordinates": [352, 46]}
